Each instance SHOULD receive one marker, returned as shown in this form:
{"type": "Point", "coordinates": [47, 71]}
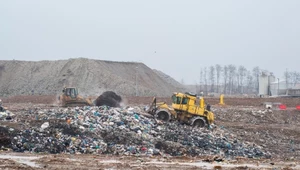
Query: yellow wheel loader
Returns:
{"type": "Point", "coordinates": [70, 98]}
{"type": "Point", "coordinates": [184, 109]}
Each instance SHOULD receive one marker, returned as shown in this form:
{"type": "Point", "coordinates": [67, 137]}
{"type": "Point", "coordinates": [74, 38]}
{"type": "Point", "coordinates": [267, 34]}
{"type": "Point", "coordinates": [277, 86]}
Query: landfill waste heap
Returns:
{"type": "Point", "coordinates": [119, 131]}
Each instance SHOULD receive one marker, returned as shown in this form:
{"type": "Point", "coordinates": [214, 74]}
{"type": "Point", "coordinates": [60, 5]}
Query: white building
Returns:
{"type": "Point", "coordinates": [280, 88]}
{"type": "Point", "coordinates": [265, 80]}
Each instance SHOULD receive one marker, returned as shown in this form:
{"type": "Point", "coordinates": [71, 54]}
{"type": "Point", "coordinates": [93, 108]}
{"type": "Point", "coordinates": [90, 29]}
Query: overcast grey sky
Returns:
{"type": "Point", "coordinates": [175, 36]}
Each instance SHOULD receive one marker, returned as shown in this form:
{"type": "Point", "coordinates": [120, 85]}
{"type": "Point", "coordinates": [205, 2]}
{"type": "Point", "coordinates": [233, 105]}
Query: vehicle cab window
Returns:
{"type": "Point", "coordinates": [68, 92]}
{"type": "Point", "coordinates": [174, 99]}
{"type": "Point", "coordinates": [73, 93]}
{"type": "Point", "coordinates": [185, 100]}
{"type": "Point", "coordinates": [178, 100]}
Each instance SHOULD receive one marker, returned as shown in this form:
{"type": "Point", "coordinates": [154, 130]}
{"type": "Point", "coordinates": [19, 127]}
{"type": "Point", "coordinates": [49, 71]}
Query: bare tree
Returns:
{"type": "Point", "coordinates": [197, 89]}
{"type": "Point", "coordinates": [295, 77]}
{"type": "Point", "coordinates": [287, 77]}
{"type": "Point", "coordinates": [256, 72]}
{"type": "Point", "coordinates": [212, 78]}
{"type": "Point", "coordinates": [225, 76]}
{"type": "Point", "coordinates": [205, 80]}
{"type": "Point", "coordinates": [249, 82]}
{"type": "Point", "coordinates": [201, 80]}
{"type": "Point", "coordinates": [242, 73]}
{"type": "Point", "coordinates": [218, 70]}
{"type": "Point", "coordinates": [232, 73]}
{"type": "Point", "coordinates": [237, 82]}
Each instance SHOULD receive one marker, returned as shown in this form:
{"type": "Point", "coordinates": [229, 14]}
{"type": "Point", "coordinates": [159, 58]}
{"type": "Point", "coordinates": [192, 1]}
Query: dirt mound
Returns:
{"type": "Point", "coordinates": [92, 77]}
{"type": "Point", "coordinates": [108, 98]}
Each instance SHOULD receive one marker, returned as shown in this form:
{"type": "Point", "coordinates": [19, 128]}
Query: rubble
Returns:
{"type": "Point", "coordinates": [122, 131]}
{"type": "Point", "coordinates": [4, 137]}
{"type": "Point", "coordinates": [5, 114]}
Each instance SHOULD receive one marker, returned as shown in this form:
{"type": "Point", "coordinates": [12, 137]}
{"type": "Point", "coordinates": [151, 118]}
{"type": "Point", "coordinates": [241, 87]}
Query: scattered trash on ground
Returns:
{"type": "Point", "coordinates": [121, 131]}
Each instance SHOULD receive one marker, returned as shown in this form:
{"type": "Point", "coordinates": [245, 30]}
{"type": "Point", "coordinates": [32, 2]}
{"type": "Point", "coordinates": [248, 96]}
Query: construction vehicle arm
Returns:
{"type": "Point", "coordinates": [152, 108]}
{"type": "Point", "coordinates": [210, 118]}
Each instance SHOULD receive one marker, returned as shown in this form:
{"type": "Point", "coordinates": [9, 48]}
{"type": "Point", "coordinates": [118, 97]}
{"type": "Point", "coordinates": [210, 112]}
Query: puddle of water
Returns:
{"type": "Point", "coordinates": [27, 160]}
{"type": "Point", "coordinates": [252, 166]}
{"type": "Point", "coordinates": [110, 161]}
{"type": "Point", "coordinates": [212, 165]}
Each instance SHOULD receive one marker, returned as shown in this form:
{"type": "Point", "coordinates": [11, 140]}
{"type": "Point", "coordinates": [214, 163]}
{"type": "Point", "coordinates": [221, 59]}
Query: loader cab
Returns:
{"type": "Point", "coordinates": [176, 99]}
{"type": "Point", "coordinates": [70, 91]}
{"type": "Point", "coordinates": [176, 102]}
{"type": "Point", "coordinates": [181, 101]}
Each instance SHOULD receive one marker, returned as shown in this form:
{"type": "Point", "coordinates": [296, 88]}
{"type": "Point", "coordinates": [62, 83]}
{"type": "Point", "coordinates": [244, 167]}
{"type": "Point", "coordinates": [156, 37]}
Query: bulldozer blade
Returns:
{"type": "Point", "coordinates": [76, 103]}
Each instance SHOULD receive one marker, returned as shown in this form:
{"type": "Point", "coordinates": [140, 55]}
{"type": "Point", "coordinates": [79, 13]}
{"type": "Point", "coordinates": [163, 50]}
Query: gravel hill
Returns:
{"type": "Point", "coordinates": [92, 77]}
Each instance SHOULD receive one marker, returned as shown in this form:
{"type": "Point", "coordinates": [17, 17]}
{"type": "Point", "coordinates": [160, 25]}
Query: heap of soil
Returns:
{"type": "Point", "coordinates": [91, 77]}
{"type": "Point", "coordinates": [108, 98]}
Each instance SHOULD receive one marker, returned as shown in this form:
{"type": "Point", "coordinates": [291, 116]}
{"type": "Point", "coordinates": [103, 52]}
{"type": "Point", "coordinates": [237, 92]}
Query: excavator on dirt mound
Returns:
{"type": "Point", "coordinates": [183, 109]}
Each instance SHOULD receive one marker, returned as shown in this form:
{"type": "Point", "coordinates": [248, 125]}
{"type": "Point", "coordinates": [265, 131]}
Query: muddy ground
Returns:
{"type": "Point", "coordinates": [109, 162]}
{"type": "Point", "coordinates": [275, 131]}
{"type": "Point", "coordinates": [229, 101]}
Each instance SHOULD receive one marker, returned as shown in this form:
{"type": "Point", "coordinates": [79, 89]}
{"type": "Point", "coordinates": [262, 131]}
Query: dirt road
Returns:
{"type": "Point", "coordinates": [110, 162]}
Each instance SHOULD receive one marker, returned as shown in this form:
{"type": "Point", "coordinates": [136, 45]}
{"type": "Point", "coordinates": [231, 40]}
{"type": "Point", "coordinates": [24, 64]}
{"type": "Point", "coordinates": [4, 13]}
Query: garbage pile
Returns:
{"type": "Point", "coordinates": [5, 114]}
{"type": "Point", "coordinates": [123, 131]}
{"type": "Point", "coordinates": [4, 137]}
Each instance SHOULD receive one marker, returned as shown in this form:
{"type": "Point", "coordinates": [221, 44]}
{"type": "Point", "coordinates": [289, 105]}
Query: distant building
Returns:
{"type": "Point", "coordinates": [278, 88]}
{"type": "Point", "coordinates": [270, 86]}
{"type": "Point", "coordinates": [281, 88]}
{"type": "Point", "coordinates": [265, 80]}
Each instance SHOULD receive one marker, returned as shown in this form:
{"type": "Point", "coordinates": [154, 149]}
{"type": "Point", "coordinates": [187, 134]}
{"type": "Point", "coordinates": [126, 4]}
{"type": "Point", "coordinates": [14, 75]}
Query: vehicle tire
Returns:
{"type": "Point", "coordinates": [199, 123]}
{"type": "Point", "coordinates": [163, 115]}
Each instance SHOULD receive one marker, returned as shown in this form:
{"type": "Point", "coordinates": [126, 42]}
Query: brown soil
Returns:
{"type": "Point", "coordinates": [133, 100]}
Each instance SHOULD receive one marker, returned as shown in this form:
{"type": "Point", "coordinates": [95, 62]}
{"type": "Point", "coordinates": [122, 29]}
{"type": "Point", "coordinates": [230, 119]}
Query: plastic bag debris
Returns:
{"type": "Point", "coordinates": [123, 131]}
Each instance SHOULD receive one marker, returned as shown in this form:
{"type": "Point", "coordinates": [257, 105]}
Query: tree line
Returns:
{"type": "Point", "coordinates": [292, 78]}
{"type": "Point", "coordinates": [231, 79]}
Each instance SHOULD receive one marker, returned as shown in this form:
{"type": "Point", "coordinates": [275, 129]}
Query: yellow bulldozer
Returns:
{"type": "Point", "coordinates": [70, 97]}
{"type": "Point", "coordinates": [184, 109]}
